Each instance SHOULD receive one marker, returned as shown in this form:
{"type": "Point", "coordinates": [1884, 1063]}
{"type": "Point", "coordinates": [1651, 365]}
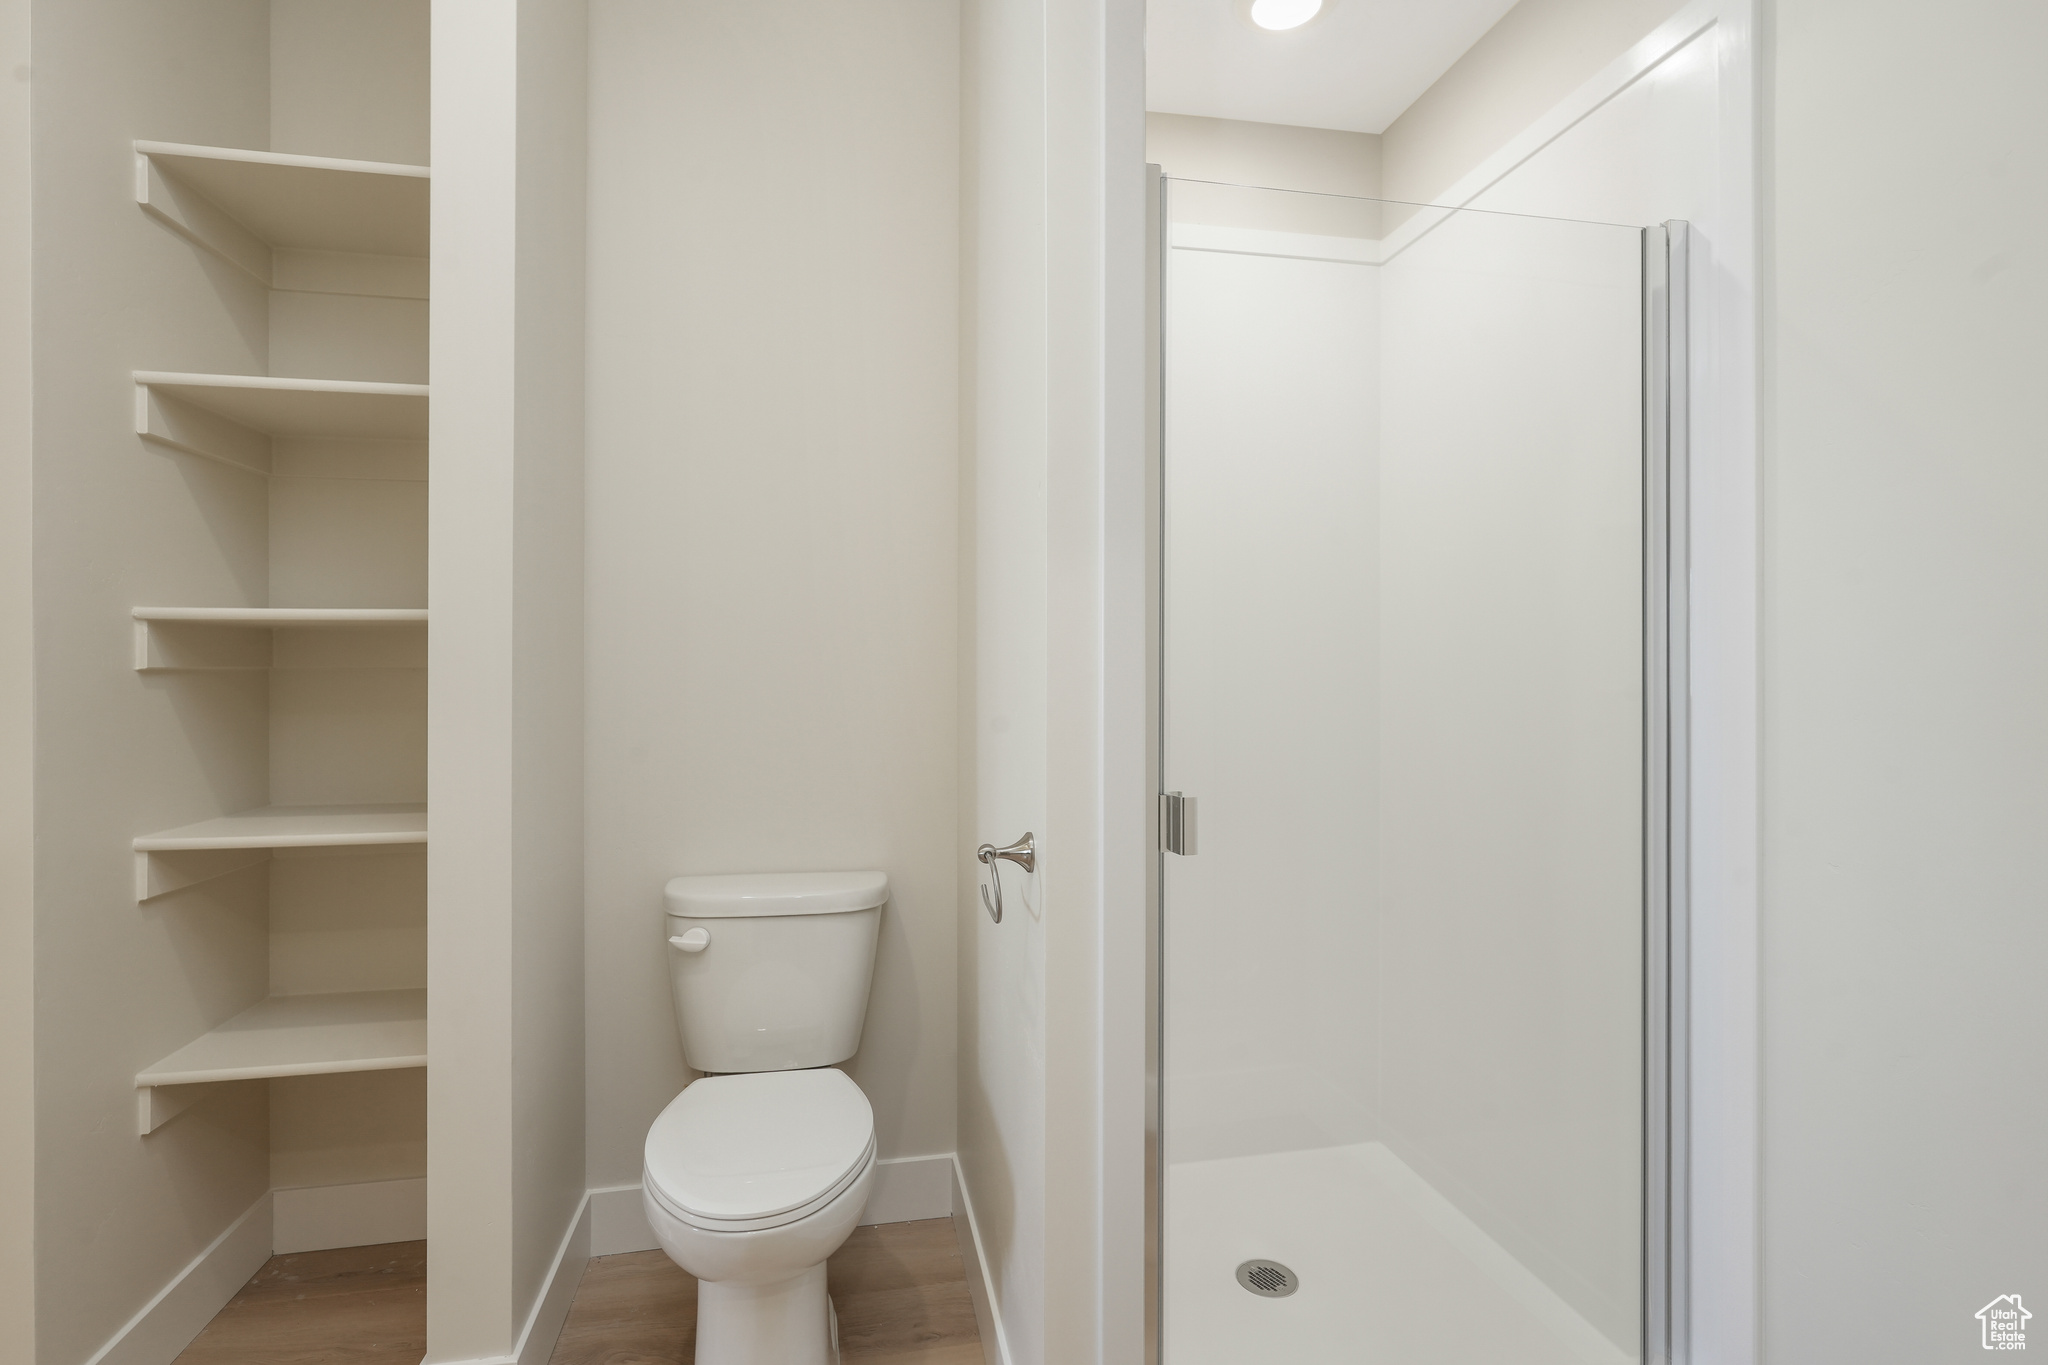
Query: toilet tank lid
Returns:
{"type": "Point", "coordinates": [750, 894]}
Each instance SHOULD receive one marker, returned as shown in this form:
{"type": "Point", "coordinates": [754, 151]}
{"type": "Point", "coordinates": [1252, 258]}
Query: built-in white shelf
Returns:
{"type": "Point", "coordinates": [234, 417]}
{"type": "Point", "coordinates": [285, 616]}
{"type": "Point", "coordinates": [172, 859]}
{"type": "Point", "coordinates": [291, 1035]}
{"type": "Point", "coordinates": [295, 827]}
{"type": "Point", "coordinates": [245, 206]}
{"type": "Point", "coordinates": [235, 638]}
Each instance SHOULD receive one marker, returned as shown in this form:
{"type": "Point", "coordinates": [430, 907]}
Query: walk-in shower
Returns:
{"type": "Point", "coordinates": [1415, 579]}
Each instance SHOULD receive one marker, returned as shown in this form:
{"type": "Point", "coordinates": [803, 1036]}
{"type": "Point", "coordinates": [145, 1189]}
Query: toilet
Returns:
{"type": "Point", "coordinates": [758, 1172]}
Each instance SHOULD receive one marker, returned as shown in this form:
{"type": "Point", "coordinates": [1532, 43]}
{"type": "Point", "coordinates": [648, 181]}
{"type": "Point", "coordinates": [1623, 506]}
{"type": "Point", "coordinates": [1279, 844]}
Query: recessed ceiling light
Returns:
{"type": "Point", "coordinates": [1284, 14]}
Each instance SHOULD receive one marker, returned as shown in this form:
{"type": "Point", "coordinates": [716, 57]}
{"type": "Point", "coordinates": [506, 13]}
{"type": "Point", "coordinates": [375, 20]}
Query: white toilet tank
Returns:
{"type": "Point", "coordinates": [771, 969]}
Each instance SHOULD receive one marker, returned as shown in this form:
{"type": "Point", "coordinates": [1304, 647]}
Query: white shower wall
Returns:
{"type": "Point", "coordinates": [1511, 741]}
{"type": "Point", "coordinates": [1271, 372]}
{"type": "Point", "coordinates": [1403, 680]}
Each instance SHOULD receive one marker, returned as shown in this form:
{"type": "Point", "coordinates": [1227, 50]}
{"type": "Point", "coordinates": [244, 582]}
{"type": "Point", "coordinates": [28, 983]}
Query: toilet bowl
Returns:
{"type": "Point", "coordinates": [759, 1171]}
{"type": "Point", "coordinates": [751, 1182]}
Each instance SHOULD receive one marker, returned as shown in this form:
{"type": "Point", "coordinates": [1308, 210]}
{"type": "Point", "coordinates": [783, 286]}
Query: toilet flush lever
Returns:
{"type": "Point", "coordinates": [1020, 853]}
{"type": "Point", "coordinates": [691, 941]}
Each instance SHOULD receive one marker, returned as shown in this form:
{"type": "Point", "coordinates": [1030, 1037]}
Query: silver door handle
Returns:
{"type": "Point", "coordinates": [1177, 823]}
{"type": "Point", "coordinates": [1021, 853]}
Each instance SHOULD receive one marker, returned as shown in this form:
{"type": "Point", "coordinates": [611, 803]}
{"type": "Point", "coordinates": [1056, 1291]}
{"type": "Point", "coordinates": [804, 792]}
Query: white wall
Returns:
{"type": "Point", "coordinates": [325, 58]}
{"type": "Point", "coordinates": [120, 523]}
{"type": "Point", "coordinates": [1055, 425]}
{"type": "Point", "coordinates": [1002, 967]}
{"type": "Point", "coordinates": [773, 510]}
{"type": "Point", "coordinates": [1318, 162]}
{"type": "Point", "coordinates": [17, 703]}
{"type": "Point", "coordinates": [1272, 680]}
{"type": "Point", "coordinates": [1510, 773]}
{"type": "Point", "coordinates": [1637, 145]}
{"type": "Point", "coordinates": [1272, 428]}
{"type": "Point", "coordinates": [1535, 57]}
{"type": "Point", "coordinates": [1904, 666]}
{"type": "Point", "coordinates": [548, 907]}
{"type": "Point", "coordinates": [1277, 155]}
{"type": "Point", "coordinates": [1647, 154]}
{"type": "Point", "coordinates": [505, 749]}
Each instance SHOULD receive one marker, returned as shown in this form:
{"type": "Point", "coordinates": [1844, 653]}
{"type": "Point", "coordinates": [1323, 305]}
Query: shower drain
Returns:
{"type": "Point", "coordinates": [1268, 1279]}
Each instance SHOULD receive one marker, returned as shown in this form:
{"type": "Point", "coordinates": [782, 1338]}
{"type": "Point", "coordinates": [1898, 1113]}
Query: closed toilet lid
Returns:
{"type": "Point", "coordinates": [743, 1149]}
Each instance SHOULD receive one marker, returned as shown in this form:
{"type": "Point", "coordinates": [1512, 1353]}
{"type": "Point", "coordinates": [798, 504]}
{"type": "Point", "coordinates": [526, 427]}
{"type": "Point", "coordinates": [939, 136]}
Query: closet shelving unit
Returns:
{"type": "Point", "coordinates": [176, 639]}
{"type": "Point", "coordinates": [249, 205]}
{"type": "Point", "coordinates": [234, 219]}
{"type": "Point", "coordinates": [291, 222]}
{"type": "Point", "coordinates": [289, 1035]}
{"type": "Point", "coordinates": [316, 227]}
{"type": "Point", "coordinates": [173, 859]}
{"type": "Point", "coordinates": [235, 418]}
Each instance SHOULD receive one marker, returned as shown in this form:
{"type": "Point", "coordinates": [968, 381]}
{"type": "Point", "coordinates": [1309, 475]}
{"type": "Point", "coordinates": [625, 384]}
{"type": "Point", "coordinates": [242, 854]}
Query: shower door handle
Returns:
{"type": "Point", "coordinates": [1177, 823]}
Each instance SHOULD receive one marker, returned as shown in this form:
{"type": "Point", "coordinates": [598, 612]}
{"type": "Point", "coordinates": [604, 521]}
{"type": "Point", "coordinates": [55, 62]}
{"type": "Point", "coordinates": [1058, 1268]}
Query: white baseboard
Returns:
{"type": "Point", "coordinates": [168, 1322]}
{"type": "Point", "coordinates": [312, 1218]}
{"type": "Point", "coordinates": [617, 1223]}
{"type": "Point", "coordinates": [988, 1315]}
{"type": "Point", "coordinates": [907, 1188]}
{"type": "Point", "coordinates": [317, 1218]}
{"type": "Point", "coordinates": [551, 1308]}
{"type": "Point", "coordinates": [910, 1188]}
{"type": "Point", "coordinates": [320, 1217]}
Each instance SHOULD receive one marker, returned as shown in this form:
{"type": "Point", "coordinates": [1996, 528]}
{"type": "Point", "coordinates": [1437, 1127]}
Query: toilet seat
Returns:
{"type": "Point", "coordinates": [747, 1152]}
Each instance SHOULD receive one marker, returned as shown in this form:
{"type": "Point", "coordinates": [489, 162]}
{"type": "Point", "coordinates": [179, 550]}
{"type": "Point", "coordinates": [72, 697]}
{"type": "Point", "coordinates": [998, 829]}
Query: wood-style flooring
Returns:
{"type": "Point", "coordinates": [900, 1290]}
{"type": "Point", "coordinates": [355, 1305]}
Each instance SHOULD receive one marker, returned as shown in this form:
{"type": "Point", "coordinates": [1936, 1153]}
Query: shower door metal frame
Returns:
{"type": "Point", "coordinates": [1666, 408]}
{"type": "Point", "coordinates": [1666, 779]}
{"type": "Point", "coordinates": [1155, 685]}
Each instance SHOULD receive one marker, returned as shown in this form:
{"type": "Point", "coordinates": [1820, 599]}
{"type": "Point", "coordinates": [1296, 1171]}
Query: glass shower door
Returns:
{"type": "Point", "coordinates": [1402, 1040]}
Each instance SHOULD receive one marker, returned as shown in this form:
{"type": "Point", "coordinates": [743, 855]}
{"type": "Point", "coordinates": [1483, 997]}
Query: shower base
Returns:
{"type": "Point", "coordinates": [1391, 1272]}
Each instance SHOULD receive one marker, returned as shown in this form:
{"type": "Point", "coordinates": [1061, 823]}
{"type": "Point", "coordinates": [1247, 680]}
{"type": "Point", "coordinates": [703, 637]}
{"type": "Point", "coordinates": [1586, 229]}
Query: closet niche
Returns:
{"type": "Point", "coordinates": [300, 441]}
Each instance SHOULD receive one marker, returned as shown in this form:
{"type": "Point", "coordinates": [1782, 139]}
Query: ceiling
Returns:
{"type": "Point", "coordinates": [1356, 66]}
